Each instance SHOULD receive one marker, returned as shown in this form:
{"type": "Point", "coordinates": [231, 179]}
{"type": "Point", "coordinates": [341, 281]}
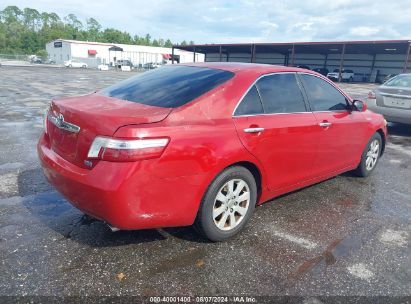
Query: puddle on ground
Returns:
{"type": "Point", "coordinates": [336, 250]}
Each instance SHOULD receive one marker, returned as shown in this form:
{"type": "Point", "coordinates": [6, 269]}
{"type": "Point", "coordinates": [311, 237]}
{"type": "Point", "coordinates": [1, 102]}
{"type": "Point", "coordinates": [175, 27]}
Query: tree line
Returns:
{"type": "Point", "coordinates": [27, 31]}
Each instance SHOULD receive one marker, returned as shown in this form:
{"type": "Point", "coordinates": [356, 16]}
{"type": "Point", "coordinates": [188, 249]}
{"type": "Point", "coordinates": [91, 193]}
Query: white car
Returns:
{"type": "Point", "coordinates": [346, 75]}
{"type": "Point", "coordinates": [102, 67]}
{"type": "Point", "coordinates": [75, 64]}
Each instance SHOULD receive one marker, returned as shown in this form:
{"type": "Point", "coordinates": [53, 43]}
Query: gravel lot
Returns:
{"type": "Point", "coordinates": [346, 236]}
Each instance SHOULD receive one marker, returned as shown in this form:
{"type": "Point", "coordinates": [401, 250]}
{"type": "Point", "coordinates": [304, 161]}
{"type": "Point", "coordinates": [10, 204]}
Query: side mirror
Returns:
{"type": "Point", "coordinates": [359, 105]}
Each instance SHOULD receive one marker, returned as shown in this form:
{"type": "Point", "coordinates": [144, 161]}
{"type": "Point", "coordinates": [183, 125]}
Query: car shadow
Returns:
{"type": "Point", "coordinates": [399, 129]}
{"type": "Point", "coordinates": [56, 213]}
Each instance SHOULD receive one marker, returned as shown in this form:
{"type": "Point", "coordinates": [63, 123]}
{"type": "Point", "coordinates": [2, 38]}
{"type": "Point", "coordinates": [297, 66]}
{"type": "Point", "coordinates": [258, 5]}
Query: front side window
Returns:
{"type": "Point", "coordinates": [280, 93]}
{"type": "Point", "coordinates": [168, 87]}
{"type": "Point", "coordinates": [322, 95]}
{"type": "Point", "coordinates": [250, 104]}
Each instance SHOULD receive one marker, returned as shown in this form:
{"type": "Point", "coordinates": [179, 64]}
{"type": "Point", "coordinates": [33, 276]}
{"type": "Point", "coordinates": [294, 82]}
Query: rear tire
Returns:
{"type": "Point", "coordinates": [227, 205]}
{"type": "Point", "coordinates": [370, 156]}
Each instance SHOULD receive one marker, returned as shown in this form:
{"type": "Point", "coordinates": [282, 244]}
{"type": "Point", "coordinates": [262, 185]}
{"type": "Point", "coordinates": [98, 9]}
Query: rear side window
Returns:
{"type": "Point", "coordinates": [322, 95]}
{"type": "Point", "coordinates": [168, 87]}
{"type": "Point", "coordinates": [280, 93]}
{"type": "Point", "coordinates": [251, 103]}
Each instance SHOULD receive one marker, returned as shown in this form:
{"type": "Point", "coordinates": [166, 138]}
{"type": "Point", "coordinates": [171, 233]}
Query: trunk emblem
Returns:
{"type": "Point", "coordinates": [58, 121]}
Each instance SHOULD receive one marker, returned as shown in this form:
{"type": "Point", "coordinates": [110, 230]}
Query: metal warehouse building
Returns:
{"type": "Point", "coordinates": [95, 53]}
{"type": "Point", "coordinates": [371, 61]}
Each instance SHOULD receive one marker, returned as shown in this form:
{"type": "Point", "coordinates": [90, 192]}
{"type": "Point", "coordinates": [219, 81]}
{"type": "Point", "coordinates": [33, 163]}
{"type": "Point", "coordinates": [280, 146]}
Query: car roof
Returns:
{"type": "Point", "coordinates": [239, 67]}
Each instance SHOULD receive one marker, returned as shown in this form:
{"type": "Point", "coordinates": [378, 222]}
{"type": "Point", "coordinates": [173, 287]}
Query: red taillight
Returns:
{"type": "Point", "coordinates": [124, 150]}
{"type": "Point", "coordinates": [371, 95]}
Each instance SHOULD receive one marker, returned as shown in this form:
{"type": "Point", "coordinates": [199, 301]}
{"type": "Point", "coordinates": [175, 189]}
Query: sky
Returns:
{"type": "Point", "coordinates": [229, 21]}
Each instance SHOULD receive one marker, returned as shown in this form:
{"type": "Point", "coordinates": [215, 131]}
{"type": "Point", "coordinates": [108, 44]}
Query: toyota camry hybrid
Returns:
{"type": "Point", "coordinates": [204, 144]}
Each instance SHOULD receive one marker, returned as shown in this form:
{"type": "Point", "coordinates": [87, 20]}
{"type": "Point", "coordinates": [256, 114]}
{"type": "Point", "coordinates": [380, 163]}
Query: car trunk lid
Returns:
{"type": "Point", "coordinates": [396, 97]}
{"type": "Point", "coordinates": [73, 123]}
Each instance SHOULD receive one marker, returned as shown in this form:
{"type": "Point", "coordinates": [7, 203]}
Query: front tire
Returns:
{"type": "Point", "coordinates": [227, 205]}
{"type": "Point", "coordinates": [370, 156]}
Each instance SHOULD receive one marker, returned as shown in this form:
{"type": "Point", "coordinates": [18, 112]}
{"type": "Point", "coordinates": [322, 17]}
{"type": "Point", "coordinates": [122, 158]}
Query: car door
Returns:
{"type": "Point", "coordinates": [273, 123]}
{"type": "Point", "coordinates": [342, 130]}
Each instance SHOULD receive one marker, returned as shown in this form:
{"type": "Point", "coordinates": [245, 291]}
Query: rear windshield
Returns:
{"type": "Point", "coordinates": [399, 81]}
{"type": "Point", "coordinates": [168, 87]}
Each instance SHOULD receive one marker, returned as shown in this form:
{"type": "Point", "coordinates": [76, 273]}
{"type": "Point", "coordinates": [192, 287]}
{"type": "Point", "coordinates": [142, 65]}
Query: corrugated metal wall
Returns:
{"type": "Point", "coordinates": [361, 64]}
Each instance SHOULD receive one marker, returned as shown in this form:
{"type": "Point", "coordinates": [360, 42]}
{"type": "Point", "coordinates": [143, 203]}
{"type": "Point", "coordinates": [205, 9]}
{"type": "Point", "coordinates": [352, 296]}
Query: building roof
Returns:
{"type": "Point", "coordinates": [351, 47]}
{"type": "Point", "coordinates": [118, 45]}
{"type": "Point", "coordinates": [85, 42]}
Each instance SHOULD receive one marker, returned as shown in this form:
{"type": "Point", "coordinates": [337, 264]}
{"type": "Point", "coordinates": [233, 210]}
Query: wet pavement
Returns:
{"type": "Point", "coordinates": [344, 236]}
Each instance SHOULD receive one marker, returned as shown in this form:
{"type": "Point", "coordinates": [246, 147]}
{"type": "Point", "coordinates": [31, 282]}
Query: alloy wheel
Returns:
{"type": "Point", "coordinates": [231, 204]}
{"type": "Point", "coordinates": [372, 155]}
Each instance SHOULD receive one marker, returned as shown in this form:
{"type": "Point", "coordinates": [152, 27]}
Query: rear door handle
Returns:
{"type": "Point", "coordinates": [253, 130]}
{"type": "Point", "coordinates": [325, 124]}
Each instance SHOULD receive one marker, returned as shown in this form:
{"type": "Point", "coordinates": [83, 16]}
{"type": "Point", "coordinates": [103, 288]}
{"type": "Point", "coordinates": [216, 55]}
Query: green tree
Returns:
{"type": "Point", "coordinates": [155, 43]}
{"type": "Point", "coordinates": [147, 39]}
{"type": "Point", "coordinates": [112, 35]}
{"type": "Point", "coordinates": [93, 29]}
{"type": "Point", "coordinates": [27, 31]}
{"type": "Point", "coordinates": [50, 19]}
{"type": "Point", "coordinates": [11, 14]}
{"type": "Point", "coordinates": [168, 43]}
{"type": "Point", "coordinates": [31, 18]}
{"type": "Point", "coordinates": [136, 39]}
{"type": "Point", "coordinates": [54, 19]}
{"type": "Point", "coordinates": [73, 22]}
{"type": "Point", "coordinates": [42, 54]}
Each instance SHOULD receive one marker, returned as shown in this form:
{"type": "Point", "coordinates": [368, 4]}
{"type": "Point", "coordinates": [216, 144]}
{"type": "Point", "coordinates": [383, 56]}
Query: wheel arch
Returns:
{"type": "Point", "coordinates": [382, 134]}
{"type": "Point", "coordinates": [255, 171]}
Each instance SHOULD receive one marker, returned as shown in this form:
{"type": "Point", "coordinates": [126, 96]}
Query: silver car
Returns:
{"type": "Point", "coordinates": [393, 99]}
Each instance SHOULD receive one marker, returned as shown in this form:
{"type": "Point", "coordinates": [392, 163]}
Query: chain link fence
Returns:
{"type": "Point", "coordinates": [14, 59]}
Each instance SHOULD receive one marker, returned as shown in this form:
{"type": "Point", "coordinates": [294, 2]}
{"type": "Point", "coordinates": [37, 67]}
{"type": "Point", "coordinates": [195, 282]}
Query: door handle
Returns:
{"type": "Point", "coordinates": [253, 130]}
{"type": "Point", "coordinates": [325, 124]}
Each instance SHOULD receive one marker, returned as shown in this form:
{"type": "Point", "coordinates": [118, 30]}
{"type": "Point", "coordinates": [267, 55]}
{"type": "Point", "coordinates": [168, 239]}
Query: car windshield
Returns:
{"type": "Point", "coordinates": [399, 81]}
{"type": "Point", "coordinates": [168, 87]}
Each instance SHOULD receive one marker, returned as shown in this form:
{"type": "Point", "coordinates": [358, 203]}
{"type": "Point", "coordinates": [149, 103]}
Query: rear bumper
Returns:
{"type": "Point", "coordinates": [125, 195]}
{"type": "Point", "coordinates": [390, 114]}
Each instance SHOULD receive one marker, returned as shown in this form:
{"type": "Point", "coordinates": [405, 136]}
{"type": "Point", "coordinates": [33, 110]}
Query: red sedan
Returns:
{"type": "Point", "coordinates": [204, 143]}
